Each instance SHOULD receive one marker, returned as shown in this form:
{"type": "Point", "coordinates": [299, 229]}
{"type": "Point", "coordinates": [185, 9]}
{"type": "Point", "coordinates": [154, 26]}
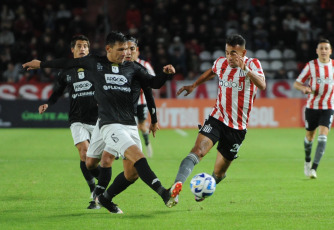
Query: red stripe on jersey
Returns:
{"type": "Point", "coordinates": [307, 74]}
{"type": "Point", "coordinates": [317, 75]}
{"type": "Point", "coordinates": [250, 104]}
{"type": "Point", "coordinates": [229, 97]}
{"type": "Point", "coordinates": [241, 97]}
{"type": "Point", "coordinates": [325, 88]}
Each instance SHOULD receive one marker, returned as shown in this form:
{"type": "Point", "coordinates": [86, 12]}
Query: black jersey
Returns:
{"type": "Point", "coordinates": [83, 107]}
{"type": "Point", "coordinates": [112, 83]}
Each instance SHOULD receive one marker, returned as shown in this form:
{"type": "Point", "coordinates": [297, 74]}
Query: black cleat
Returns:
{"type": "Point", "coordinates": [109, 205]}
{"type": "Point", "coordinates": [93, 205]}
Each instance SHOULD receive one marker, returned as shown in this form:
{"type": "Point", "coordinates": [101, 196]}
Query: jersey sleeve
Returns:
{"type": "Point", "coordinates": [255, 66]}
{"type": "Point", "coordinates": [88, 62]}
{"type": "Point", "coordinates": [304, 75]}
{"type": "Point", "coordinates": [58, 89]}
{"type": "Point", "coordinates": [148, 80]}
{"type": "Point", "coordinates": [150, 104]}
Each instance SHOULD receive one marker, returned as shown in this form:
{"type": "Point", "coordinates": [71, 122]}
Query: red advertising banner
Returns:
{"type": "Point", "coordinates": [266, 113]}
{"type": "Point", "coordinates": [35, 91]}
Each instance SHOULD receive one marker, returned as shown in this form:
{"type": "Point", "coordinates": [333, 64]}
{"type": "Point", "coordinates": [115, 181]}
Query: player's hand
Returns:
{"type": "Point", "coordinates": [153, 128]}
{"type": "Point", "coordinates": [34, 64]}
{"type": "Point", "coordinates": [42, 108]}
{"type": "Point", "coordinates": [188, 88]}
{"type": "Point", "coordinates": [169, 69]}
{"type": "Point", "coordinates": [240, 61]}
{"type": "Point", "coordinates": [306, 90]}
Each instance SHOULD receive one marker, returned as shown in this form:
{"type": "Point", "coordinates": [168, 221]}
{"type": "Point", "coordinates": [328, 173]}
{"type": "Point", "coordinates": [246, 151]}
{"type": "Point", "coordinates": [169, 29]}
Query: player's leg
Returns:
{"type": "Point", "coordinates": [311, 124]}
{"type": "Point", "coordinates": [142, 116]}
{"type": "Point", "coordinates": [122, 180]}
{"type": "Point", "coordinates": [220, 168]}
{"type": "Point", "coordinates": [105, 173]}
{"type": "Point", "coordinates": [325, 122]}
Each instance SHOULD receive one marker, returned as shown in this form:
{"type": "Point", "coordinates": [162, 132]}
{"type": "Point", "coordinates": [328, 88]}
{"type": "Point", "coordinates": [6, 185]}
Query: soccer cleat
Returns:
{"type": "Point", "coordinates": [93, 205]}
{"type": "Point", "coordinates": [149, 150]}
{"type": "Point", "coordinates": [109, 205]}
{"type": "Point", "coordinates": [174, 194]}
{"type": "Point", "coordinates": [198, 199]}
{"type": "Point", "coordinates": [313, 174]}
{"type": "Point", "coordinates": [307, 168]}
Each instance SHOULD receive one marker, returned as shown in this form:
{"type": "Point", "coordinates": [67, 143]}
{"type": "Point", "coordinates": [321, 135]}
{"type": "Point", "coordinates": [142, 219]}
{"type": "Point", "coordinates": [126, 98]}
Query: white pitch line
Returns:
{"type": "Point", "coordinates": [181, 132]}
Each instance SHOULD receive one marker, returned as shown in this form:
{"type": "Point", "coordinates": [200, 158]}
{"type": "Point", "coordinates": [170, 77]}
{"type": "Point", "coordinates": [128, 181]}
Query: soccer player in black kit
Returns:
{"type": "Point", "coordinates": [112, 83]}
{"type": "Point", "coordinates": [83, 107]}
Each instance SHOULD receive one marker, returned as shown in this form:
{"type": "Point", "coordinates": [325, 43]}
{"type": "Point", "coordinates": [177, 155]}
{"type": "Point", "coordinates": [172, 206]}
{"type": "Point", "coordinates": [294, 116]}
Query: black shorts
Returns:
{"type": "Point", "coordinates": [316, 117]}
{"type": "Point", "coordinates": [142, 113]}
{"type": "Point", "coordinates": [229, 140]}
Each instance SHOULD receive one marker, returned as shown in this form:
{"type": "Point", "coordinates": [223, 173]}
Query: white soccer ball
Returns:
{"type": "Point", "coordinates": [202, 185]}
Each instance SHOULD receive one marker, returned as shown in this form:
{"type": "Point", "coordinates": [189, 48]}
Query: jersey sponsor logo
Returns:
{"type": "Point", "coordinates": [120, 88]}
{"type": "Point", "coordinates": [81, 86]}
{"type": "Point", "coordinates": [99, 67]}
{"type": "Point", "coordinates": [206, 128]}
{"type": "Point", "coordinates": [83, 94]}
{"type": "Point", "coordinates": [231, 84]}
{"type": "Point", "coordinates": [115, 69]}
{"type": "Point", "coordinates": [115, 79]}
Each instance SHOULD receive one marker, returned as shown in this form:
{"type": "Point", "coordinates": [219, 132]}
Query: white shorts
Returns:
{"type": "Point", "coordinates": [119, 138]}
{"type": "Point", "coordinates": [96, 145]}
{"type": "Point", "coordinates": [81, 132]}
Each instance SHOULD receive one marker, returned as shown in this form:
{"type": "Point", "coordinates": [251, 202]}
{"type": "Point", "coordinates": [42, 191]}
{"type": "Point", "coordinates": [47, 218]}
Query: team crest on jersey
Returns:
{"type": "Point", "coordinates": [81, 75]}
{"type": "Point", "coordinates": [114, 68]}
{"type": "Point", "coordinates": [99, 67]}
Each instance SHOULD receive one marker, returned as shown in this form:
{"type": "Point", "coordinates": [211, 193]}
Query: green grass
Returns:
{"type": "Point", "coordinates": [41, 186]}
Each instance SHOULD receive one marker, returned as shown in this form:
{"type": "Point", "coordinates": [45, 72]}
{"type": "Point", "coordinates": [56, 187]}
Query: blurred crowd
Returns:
{"type": "Point", "coordinates": [169, 31]}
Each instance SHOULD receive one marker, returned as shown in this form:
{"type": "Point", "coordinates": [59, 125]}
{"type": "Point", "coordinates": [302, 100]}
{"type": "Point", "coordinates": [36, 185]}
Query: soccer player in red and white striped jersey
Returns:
{"type": "Point", "coordinates": [239, 77]}
{"type": "Point", "coordinates": [319, 108]}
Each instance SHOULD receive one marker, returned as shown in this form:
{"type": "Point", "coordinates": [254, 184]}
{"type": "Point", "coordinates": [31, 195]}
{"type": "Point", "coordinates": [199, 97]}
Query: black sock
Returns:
{"type": "Point", "coordinates": [104, 177]}
{"type": "Point", "coordinates": [314, 166]}
{"type": "Point", "coordinates": [88, 176]}
{"type": "Point", "coordinates": [95, 172]}
{"type": "Point", "coordinates": [147, 175]}
{"type": "Point", "coordinates": [145, 136]}
{"type": "Point", "coordinates": [118, 185]}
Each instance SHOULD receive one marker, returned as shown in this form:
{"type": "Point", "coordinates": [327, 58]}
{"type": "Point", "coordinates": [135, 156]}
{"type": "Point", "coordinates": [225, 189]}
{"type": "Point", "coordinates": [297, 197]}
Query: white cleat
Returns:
{"type": "Point", "coordinates": [307, 169]}
{"type": "Point", "coordinates": [174, 192]}
{"type": "Point", "coordinates": [313, 174]}
{"type": "Point", "coordinates": [149, 150]}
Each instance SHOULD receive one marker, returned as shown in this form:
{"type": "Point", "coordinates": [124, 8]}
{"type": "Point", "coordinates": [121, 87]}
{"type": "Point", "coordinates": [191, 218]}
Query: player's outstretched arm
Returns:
{"type": "Point", "coordinates": [34, 64]}
{"type": "Point", "coordinates": [207, 75]}
{"type": "Point", "coordinates": [42, 108]}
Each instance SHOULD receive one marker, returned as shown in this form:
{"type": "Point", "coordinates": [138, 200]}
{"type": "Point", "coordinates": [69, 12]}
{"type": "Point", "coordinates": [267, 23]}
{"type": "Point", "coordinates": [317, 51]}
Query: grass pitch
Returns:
{"type": "Point", "coordinates": [41, 185]}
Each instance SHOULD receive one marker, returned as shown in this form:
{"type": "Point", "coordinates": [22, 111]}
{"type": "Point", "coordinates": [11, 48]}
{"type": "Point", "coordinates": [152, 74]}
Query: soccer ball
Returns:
{"type": "Point", "coordinates": [202, 185]}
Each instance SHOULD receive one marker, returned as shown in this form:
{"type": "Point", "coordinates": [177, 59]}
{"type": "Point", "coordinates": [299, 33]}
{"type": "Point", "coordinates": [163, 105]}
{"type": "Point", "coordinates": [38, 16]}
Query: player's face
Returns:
{"type": "Point", "coordinates": [132, 52]}
{"type": "Point", "coordinates": [324, 52]}
{"type": "Point", "coordinates": [117, 53]}
{"type": "Point", "coordinates": [80, 49]}
{"type": "Point", "coordinates": [232, 53]}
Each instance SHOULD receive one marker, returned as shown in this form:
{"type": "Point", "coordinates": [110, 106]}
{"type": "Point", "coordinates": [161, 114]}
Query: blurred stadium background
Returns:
{"type": "Point", "coordinates": [190, 34]}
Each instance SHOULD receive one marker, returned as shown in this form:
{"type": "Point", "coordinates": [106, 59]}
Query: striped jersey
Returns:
{"type": "Point", "coordinates": [147, 65]}
{"type": "Point", "coordinates": [236, 92]}
{"type": "Point", "coordinates": [321, 79]}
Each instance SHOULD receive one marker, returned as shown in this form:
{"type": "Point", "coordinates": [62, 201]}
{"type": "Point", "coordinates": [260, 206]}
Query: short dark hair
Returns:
{"type": "Point", "coordinates": [129, 38]}
{"type": "Point", "coordinates": [114, 37]}
{"type": "Point", "coordinates": [324, 41]}
{"type": "Point", "coordinates": [79, 37]}
{"type": "Point", "coordinates": [235, 39]}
